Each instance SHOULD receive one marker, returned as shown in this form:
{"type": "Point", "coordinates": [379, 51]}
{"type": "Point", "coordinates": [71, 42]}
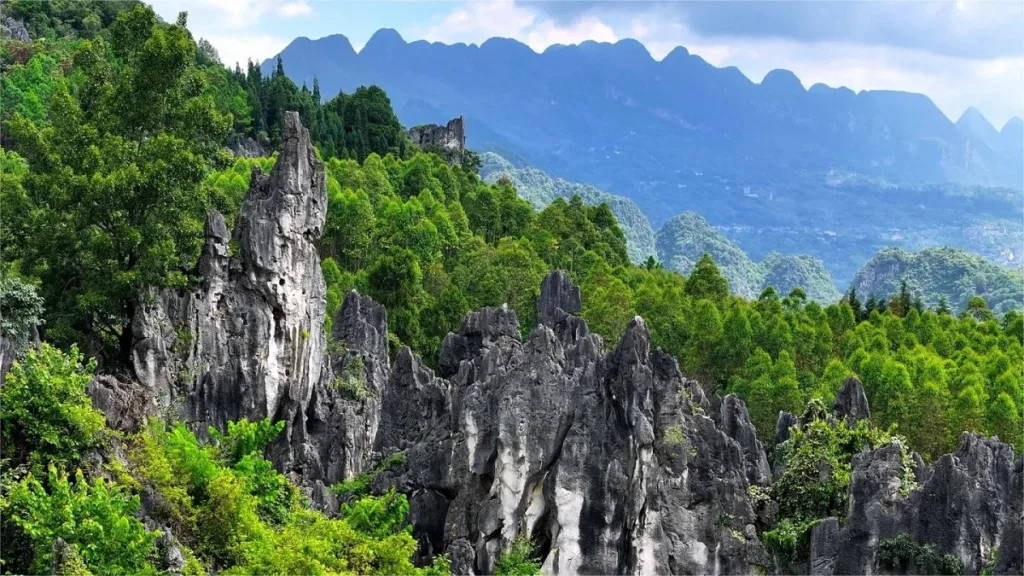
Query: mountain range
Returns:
{"type": "Point", "coordinates": [823, 171]}
{"type": "Point", "coordinates": [612, 115]}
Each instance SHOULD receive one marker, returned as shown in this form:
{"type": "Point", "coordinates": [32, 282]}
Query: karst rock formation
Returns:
{"type": "Point", "coordinates": [605, 454]}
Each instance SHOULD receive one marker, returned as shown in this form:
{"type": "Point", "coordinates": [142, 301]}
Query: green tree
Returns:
{"type": "Point", "coordinates": [97, 521]}
{"type": "Point", "coordinates": [113, 196]}
{"type": "Point", "coordinates": [47, 416]}
{"type": "Point", "coordinates": [706, 281]}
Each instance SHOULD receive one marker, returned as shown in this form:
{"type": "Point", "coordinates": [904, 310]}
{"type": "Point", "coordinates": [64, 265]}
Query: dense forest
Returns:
{"type": "Point", "coordinates": [114, 132]}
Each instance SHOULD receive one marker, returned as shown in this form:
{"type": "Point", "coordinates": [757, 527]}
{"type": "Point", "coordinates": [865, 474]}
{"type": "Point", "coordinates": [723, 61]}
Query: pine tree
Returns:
{"type": "Point", "coordinates": [706, 282]}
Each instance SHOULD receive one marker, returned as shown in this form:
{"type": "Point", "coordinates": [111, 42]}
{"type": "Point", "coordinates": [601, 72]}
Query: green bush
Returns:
{"type": "Point", "coordinates": [517, 560]}
{"type": "Point", "coordinates": [901, 554]}
{"type": "Point", "coordinates": [378, 517]}
{"type": "Point", "coordinates": [47, 416]}
{"type": "Point", "coordinates": [360, 485]}
{"type": "Point", "coordinates": [244, 438]}
{"type": "Point", "coordinates": [96, 519]}
{"type": "Point", "coordinates": [817, 458]}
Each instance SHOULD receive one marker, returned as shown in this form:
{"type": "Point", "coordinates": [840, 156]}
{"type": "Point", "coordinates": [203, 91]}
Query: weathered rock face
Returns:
{"type": "Point", "coordinates": [249, 342]}
{"type": "Point", "coordinates": [246, 147]}
{"type": "Point", "coordinates": [970, 505]}
{"type": "Point", "coordinates": [610, 460]}
{"type": "Point", "coordinates": [851, 401]}
{"type": "Point", "coordinates": [450, 139]}
{"type": "Point", "coordinates": [13, 29]}
{"type": "Point", "coordinates": [601, 458]}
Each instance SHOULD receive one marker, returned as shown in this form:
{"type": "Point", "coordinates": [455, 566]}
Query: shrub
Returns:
{"type": "Point", "coordinates": [802, 491]}
{"type": "Point", "coordinates": [97, 521]}
{"type": "Point", "coordinates": [228, 523]}
{"type": "Point", "coordinates": [275, 495]}
{"type": "Point", "coordinates": [21, 309]}
{"type": "Point", "coordinates": [360, 485]}
{"type": "Point", "coordinates": [902, 554]}
{"type": "Point", "coordinates": [44, 408]}
{"type": "Point", "coordinates": [244, 438]}
{"type": "Point", "coordinates": [789, 541]}
{"type": "Point", "coordinates": [517, 559]}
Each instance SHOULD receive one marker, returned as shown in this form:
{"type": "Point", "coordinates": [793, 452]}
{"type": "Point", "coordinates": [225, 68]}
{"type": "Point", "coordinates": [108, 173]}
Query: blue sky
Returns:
{"type": "Point", "coordinates": [960, 53]}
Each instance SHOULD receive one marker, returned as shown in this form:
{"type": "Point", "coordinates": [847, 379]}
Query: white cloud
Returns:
{"type": "Point", "coordinates": [476, 21]}
{"type": "Point", "coordinates": [293, 9]}
{"type": "Point", "coordinates": [233, 26]}
{"type": "Point", "coordinates": [242, 47]}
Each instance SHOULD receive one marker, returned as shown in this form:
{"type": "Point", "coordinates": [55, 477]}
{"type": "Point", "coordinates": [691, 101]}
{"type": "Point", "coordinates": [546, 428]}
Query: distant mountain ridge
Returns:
{"type": "Point", "coordinates": [539, 190]}
{"type": "Point", "coordinates": [825, 171]}
{"type": "Point", "coordinates": [596, 108]}
{"type": "Point", "coordinates": [688, 236]}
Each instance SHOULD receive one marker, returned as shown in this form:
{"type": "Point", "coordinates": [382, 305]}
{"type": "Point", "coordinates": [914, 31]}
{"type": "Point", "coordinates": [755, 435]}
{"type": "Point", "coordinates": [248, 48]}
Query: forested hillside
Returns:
{"type": "Point", "coordinates": [539, 190]}
{"type": "Point", "coordinates": [685, 238]}
{"type": "Point", "coordinates": [119, 196]}
{"type": "Point", "coordinates": [945, 276]}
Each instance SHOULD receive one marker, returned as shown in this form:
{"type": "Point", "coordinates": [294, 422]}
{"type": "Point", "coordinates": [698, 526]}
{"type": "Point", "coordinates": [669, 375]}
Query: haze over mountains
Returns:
{"type": "Point", "coordinates": [613, 116]}
{"type": "Point", "coordinates": [823, 171]}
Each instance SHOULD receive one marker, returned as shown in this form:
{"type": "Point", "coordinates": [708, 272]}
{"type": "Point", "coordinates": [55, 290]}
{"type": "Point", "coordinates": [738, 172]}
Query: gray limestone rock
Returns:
{"type": "Point", "coordinates": [851, 401]}
{"type": "Point", "coordinates": [126, 404]}
{"type": "Point", "coordinates": [558, 297]}
{"type": "Point", "coordinates": [13, 29]}
{"type": "Point", "coordinates": [609, 460]}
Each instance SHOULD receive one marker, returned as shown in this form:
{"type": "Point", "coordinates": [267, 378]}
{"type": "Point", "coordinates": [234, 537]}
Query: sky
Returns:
{"type": "Point", "coordinates": [960, 53]}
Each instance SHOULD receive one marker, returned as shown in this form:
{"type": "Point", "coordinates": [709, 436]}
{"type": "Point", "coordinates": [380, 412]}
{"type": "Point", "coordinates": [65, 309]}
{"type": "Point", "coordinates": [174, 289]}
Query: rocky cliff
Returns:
{"type": "Point", "coordinates": [448, 140]}
{"type": "Point", "coordinates": [605, 455]}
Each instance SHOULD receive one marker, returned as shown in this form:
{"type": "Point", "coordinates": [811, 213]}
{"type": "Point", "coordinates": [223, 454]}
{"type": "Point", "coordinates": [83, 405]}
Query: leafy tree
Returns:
{"type": "Point", "coordinates": [97, 521]}
{"type": "Point", "coordinates": [46, 415]}
{"type": "Point", "coordinates": [707, 282]}
{"type": "Point", "coordinates": [517, 559]}
{"type": "Point", "coordinates": [113, 201]}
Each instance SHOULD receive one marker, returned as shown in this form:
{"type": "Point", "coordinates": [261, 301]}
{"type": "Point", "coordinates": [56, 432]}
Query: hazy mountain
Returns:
{"type": "Point", "coordinates": [936, 272]}
{"type": "Point", "coordinates": [540, 189]}
{"type": "Point", "coordinates": [825, 171]}
{"type": "Point", "coordinates": [611, 115]}
{"type": "Point", "coordinates": [688, 236]}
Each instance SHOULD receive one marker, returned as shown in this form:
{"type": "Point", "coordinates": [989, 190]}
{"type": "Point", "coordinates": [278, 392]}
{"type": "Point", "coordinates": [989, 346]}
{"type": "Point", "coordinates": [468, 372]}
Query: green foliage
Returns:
{"type": "Point", "coordinates": [943, 276]}
{"type": "Point", "coordinates": [360, 485]}
{"type": "Point", "coordinates": [517, 560]}
{"type": "Point", "coordinates": [540, 190]}
{"type": "Point", "coordinates": [245, 438]}
{"type": "Point", "coordinates": [901, 554]}
{"type": "Point", "coordinates": [46, 415]}
{"type": "Point", "coordinates": [96, 520]}
{"type": "Point", "coordinates": [243, 517]}
{"type": "Point", "coordinates": [789, 541]}
{"type": "Point", "coordinates": [352, 380]}
{"type": "Point", "coordinates": [684, 239]}
{"type": "Point", "coordinates": [817, 459]}
{"type": "Point", "coordinates": [21, 309]}
{"type": "Point", "coordinates": [118, 171]}
{"type": "Point", "coordinates": [378, 517]}
{"type": "Point", "coordinates": [55, 19]}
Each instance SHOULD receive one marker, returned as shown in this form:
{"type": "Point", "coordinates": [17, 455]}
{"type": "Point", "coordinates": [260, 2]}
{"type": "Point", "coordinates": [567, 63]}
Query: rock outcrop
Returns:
{"type": "Point", "coordinates": [246, 147]}
{"type": "Point", "coordinates": [13, 30]}
{"type": "Point", "coordinates": [249, 342]}
{"type": "Point", "coordinates": [970, 506]}
{"type": "Point", "coordinates": [448, 140]}
{"type": "Point", "coordinates": [851, 401]}
{"type": "Point", "coordinates": [608, 458]}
